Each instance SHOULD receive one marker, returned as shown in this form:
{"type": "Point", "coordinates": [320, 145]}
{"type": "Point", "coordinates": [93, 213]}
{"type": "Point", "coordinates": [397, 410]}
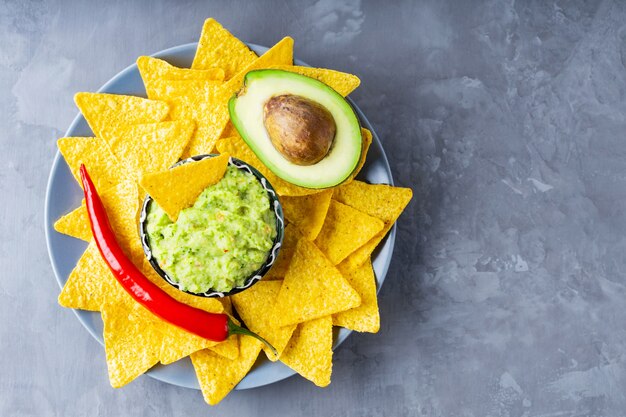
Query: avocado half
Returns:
{"type": "Point", "coordinates": [247, 114]}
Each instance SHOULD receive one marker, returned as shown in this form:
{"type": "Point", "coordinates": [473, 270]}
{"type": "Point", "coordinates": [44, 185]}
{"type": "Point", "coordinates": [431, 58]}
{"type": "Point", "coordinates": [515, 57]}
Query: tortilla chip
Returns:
{"type": "Point", "coordinates": [382, 201]}
{"type": "Point", "coordinates": [345, 230]}
{"type": "Point", "coordinates": [217, 375]}
{"type": "Point", "coordinates": [364, 318]}
{"type": "Point", "coordinates": [367, 141]}
{"type": "Point", "coordinates": [209, 108]}
{"type": "Point", "coordinates": [228, 349]}
{"type": "Point", "coordinates": [108, 110]}
{"type": "Point", "coordinates": [104, 170]}
{"type": "Point", "coordinates": [255, 307]}
{"type": "Point", "coordinates": [178, 343]}
{"type": "Point", "coordinates": [152, 69]}
{"type": "Point", "coordinates": [279, 269]}
{"type": "Point", "coordinates": [310, 351]}
{"type": "Point", "coordinates": [307, 213]}
{"type": "Point", "coordinates": [217, 47]}
{"type": "Point", "coordinates": [131, 343]}
{"type": "Point", "coordinates": [191, 90]}
{"type": "Point", "coordinates": [75, 224]}
{"type": "Point", "coordinates": [341, 82]}
{"type": "Point", "coordinates": [150, 147]}
{"type": "Point", "coordinates": [229, 130]}
{"type": "Point", "coordinates": [312, 288]}
{"type": "Point", "coordinates": [89, 283]}
{"type": "Point", "coordinates": [178, 188]}
{"type": "Point", "coordinates": [236, 147]}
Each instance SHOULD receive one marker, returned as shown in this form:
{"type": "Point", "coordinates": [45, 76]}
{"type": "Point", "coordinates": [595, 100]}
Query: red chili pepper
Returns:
{"type": "Point", "coordinates": [212, 326]}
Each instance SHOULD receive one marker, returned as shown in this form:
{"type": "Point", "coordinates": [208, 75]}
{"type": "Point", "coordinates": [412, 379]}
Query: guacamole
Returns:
{"type": "Point", "coordinates": [218, 242]}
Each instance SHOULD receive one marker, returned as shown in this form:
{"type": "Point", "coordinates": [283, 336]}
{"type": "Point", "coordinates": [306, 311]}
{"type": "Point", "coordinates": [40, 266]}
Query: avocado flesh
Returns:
{"type": "Point", "coordinates": [246, 112]}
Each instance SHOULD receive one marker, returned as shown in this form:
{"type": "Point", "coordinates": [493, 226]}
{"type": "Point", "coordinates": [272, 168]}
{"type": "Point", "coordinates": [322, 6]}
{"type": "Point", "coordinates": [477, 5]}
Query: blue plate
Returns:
{"type": "Point", "coordinates": [63, 195]}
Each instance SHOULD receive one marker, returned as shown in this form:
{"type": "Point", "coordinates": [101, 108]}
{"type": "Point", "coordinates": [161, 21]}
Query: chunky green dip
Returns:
{"type": "Point", "coordinates": [218, 242]}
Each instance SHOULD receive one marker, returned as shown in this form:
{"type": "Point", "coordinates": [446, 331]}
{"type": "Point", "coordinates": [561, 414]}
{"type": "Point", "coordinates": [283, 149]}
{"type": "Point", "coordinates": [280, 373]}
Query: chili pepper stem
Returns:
{"type": "Point", "coordinates": [235, 329]}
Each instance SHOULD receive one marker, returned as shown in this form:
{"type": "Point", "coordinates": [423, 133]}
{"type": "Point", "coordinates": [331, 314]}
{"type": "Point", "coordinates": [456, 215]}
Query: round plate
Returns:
{"type": "Point", "coordinates": [63, 195]}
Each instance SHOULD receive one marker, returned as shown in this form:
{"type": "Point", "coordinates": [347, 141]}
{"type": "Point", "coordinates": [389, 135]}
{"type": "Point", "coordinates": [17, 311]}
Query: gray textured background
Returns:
{"type": "Point", "coordinates": [506, 296]}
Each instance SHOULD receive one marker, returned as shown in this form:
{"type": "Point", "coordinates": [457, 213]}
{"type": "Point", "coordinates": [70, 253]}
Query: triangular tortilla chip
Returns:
{"type": "Point", "coordinates": [89, 283]}
{"type": "Point", "coordinates": [290, 240]}
{"type": "Point", "coordinates": [310, 351]}
{"type": "Point", "coordinates": [152, 68]}
{"type": "Point", "coordinates": [104, 170]}
{"type": "Point", "coordinates": [217, 375]}
{"type": "Point", "coordinates": [178, 343]}
{"type": "Point", "coordinates": [131, 342]}
{"type": "Point", "coordinates": [209, 108]}
{"type": "Point", "coordinates": [217, 47]}
{"type": "Point", "coordinates": [178, 188]}
{"type": "Point", "coordinates": [255, 307]}
{"type": "Point", "coordinates": [75, 224]}
{"type": "Point", "coordinates": [382, 201]}
{"type": "Point", "coordinates": [107, 110]}
{"type": "Point", "coordinates": [364, 318]}
{"type": "Point", "coordinates": [312, 288]}
{"type": "Point", "coordinates": [345, 230]}
{"type": "Point", "coordinates": [150, 147]}
{"type": "Point", "coordinates": [228, 349]}
{"type": "Point", "coordinates": [367, 141]}
{"type": "Point", "coordinates": [307, 213]}
{"type": "Point", "coordinates": [341, 82]}
{"type": "Point", "coordinates": [122, 206]}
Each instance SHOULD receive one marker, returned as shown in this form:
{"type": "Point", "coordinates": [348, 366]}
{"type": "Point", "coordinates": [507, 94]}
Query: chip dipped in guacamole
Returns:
{"type": "Point", "coordinates": [222, 239]}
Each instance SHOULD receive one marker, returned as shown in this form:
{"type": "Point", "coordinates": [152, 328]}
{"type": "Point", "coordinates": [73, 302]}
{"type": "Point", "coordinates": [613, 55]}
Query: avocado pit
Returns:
{"type": "Point", "coordinates": [299, 128]}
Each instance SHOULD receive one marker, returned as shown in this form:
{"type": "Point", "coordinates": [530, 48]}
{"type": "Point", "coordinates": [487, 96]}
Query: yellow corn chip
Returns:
{"type": "Point", "coordinates": [152, 69]}
{"type": "Point", "coordinates": [108, 110]}
{"type": "Point", "coordinates": [228, 349]}
{"type": "Point", "coordinates": [150, 147]}
{"type": "Point", "coordinates": [312, 288]}
{"type": "Point", "coordinates": [122, 206]}
{"type": "Point", "coordinates": [178, 188]}
{"type": "Point", "coordinates": [236, 147]}
{"type": "Point", "coordinates": [190, 91]}
{"type": "Point", "coordinates": [255, 306]}
{"type": "Point", "coordinates": [367, 141]}
{"type": "Point", "coordinates": [341, 82]}
{"type": "Point", "coordinates": [131, 343]}
{"type": "Point", "coordinates": [345, 230]}
{"type": "Point", "coordinates": [307, 213]}
{"type": "Point", "coordinates": [75, 224]}
{"type": "Point", "coordinates": [94, 153]}
{"type": "Point", "coordinates": [279, 269]}
{"type": "Point", "coordinates": [310, 350]}
{"type": "Point", "coordinates": [89, 283]}
{"type": "Point", "coordinates": [218, 375]}
{"type": "Point", "coordinates": [382, 201]}
{"type": "Point", "coordinates": [178, 343]}
{"type": "Point", "coordinates": [219, 48]}
{"type": "Point", "coordinates": [364, 318]}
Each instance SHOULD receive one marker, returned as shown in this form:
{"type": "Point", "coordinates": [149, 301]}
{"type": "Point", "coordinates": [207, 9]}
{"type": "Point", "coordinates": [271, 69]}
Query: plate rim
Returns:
{"type": "Point", "coordinates": [49, 225]}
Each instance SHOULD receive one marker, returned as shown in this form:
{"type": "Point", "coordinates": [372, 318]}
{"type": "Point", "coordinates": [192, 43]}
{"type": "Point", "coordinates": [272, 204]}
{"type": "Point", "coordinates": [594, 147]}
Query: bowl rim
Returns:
{"type": "Point", "coordinates": [272, 255]}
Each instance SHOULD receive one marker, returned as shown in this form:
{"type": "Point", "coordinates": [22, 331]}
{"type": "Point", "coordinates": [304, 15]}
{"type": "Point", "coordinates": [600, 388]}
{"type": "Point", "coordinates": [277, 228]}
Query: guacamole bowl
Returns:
{"type": "Point", "coordinates": [251, 279]}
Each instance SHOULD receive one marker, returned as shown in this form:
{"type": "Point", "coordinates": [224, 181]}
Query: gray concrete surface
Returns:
{"type": "Point", "coordinates": [507, 293]}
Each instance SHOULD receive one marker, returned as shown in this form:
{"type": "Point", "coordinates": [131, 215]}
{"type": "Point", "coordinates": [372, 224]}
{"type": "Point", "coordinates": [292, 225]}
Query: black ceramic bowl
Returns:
{"type": "Point", "coordinates": [271, 257]}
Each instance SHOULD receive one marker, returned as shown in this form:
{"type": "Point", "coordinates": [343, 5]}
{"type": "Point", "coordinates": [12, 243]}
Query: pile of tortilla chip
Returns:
{"type": "Point", "coordinates": [323, 276]}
